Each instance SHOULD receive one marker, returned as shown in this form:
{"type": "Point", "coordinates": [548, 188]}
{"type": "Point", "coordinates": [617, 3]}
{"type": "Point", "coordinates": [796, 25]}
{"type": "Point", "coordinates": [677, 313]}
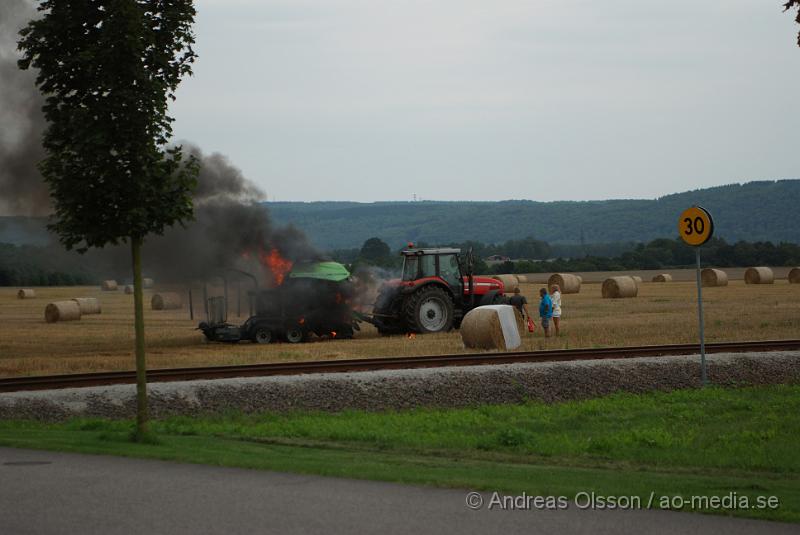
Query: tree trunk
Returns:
{"type": "Point", "coordinates": [141, 363]}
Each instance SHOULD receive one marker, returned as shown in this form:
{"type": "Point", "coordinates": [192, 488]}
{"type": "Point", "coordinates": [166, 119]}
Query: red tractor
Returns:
{"type": "Point", "coordinates": [435, 292]}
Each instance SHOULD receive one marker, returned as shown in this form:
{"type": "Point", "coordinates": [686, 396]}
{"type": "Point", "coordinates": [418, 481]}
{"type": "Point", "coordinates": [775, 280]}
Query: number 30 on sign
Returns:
{"type": "Point", "coordinates": [695, 226]}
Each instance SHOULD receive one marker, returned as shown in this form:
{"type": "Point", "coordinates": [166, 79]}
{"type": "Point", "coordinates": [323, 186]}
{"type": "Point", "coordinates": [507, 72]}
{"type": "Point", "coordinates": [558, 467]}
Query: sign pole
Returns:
{"type": "Point", "coordinates": [695, 227]}
{"type": "Point", "coordinates": [703, 375]}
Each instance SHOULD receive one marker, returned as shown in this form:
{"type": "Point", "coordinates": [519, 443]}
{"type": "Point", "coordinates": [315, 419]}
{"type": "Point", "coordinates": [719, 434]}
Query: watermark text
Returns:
{"type": "Point", "coordinates": [595, 501]}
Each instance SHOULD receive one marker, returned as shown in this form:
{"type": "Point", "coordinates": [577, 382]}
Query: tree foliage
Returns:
{"type": "Point", "coordinates": [792, 4]}
{"type": "Point", "coordinates": [375, 251]}
{"type": "Point", "coordinates": [29, 265]}
{"type": "Point", "coordinates": [108, 69]}
{"type": "Point", "coordinates": [525, 248]}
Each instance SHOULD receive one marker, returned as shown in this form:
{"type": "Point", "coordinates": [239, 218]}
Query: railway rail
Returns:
{"type": "Point", "coordinates": [50, 382]}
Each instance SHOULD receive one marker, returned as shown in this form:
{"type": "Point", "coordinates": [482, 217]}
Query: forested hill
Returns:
{"type": "Point", "coordinates": [755, 211]}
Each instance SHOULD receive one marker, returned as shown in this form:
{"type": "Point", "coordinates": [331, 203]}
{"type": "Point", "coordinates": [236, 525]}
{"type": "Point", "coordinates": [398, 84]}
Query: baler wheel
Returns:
{"type": "Point", "coordinates": [263, 335]}
{"type": "Point", "coordinates": [295, 335]}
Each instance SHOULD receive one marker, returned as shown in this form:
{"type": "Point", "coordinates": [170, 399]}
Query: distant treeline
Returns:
{"type": "Point", "coordinates": [30, 265]}
{"type": "Point", "coordinates": [376, 252]}
{"type": "Point", "coordinates": [657, 254]}
{"type": "Point", "coordinates": [665, 253]}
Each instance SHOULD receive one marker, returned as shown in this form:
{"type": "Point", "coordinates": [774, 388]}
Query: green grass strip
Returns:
{"type": "Point", "coordinates": [690, 443]}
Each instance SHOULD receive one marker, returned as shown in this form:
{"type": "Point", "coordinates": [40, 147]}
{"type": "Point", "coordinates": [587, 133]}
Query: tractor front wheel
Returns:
{"type": "Point", "coordinates": [429, 310]}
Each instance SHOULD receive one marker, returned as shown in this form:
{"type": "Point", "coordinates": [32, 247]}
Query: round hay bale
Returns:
{"type": "Point", "coordinates": [618, 287]}
{"type": "Point", "coordinates": [713, 277]}
{"type": "Point", "coordinates": [490, 327]}
{"type": "Point", "coordinates": [510, 282]}
{"type": "Point", "coordinates": [128, 289]}
{"type": "Point", "coordinates": [147, 282]}
{"type": "Point", "coordinates": [663, 277]}
{"type": "Point", "coordinates": [567, 282]}
{"type": "Point", "coordinates": [62, 311]}
{"type": "Point", "coordinates": [166, 301]}
{"type": "Point", "coordinates": [522, 279]}
{"type": "Point", "coordinates": [759, 275]}
{"type": "Point", "coordinates": [109, 286]}
{"type": "Point", "coordinates": [794, 276]}
{"type": "Point", "coordinates": [26, 293]}
{"type": "Point", "coordinates": [88, 305]}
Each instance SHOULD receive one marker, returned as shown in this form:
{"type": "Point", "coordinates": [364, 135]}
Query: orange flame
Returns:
{"type": "Point", "coordinates": [333, 334]}
{"type": "Point", "coordinates": [301, 321]}
{"type": "Point", "coordinates": [278, 265]}
{"type": "Point", "coordinates": [411, 336]}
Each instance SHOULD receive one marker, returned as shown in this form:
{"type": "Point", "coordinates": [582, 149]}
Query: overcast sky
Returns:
{"type": "Point", "coordinates": [472, 99]}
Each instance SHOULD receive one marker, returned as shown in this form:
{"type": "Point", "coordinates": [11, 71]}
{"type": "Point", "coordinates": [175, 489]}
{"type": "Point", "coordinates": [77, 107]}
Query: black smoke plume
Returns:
{"type": "Point", "coordinates": [22, 190]}
{"type": "Point", "coordinates": [231, 230]}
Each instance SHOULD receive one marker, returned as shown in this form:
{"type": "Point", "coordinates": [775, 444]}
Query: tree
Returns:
{"type": "Point", "coordinates": [789, 5]}
{"type": "Point", "coordinates": [107, 69]}
{"type": "Point", "coordinates": [375, 251]}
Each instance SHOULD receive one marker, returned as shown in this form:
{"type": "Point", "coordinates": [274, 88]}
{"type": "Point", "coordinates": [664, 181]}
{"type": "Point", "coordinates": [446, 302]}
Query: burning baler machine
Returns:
{"type": "Point", "coordinates": [314, 299]}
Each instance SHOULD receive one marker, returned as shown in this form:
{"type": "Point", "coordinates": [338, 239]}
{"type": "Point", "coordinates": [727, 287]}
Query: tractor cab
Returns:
{"type": "Point", "coordinates": [437, 287]}
{"type": "Point", "coordinates": [426, 263]}
{"type": "Point", "coordinates": [449, 266]}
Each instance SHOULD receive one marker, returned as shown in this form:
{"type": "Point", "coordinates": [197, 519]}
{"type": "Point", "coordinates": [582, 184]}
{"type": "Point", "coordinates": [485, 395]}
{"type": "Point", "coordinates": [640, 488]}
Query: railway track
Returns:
{"type": "Point", "coordinates": [48, 382]}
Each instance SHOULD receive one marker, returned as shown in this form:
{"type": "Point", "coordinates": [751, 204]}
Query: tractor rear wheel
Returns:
{"type": "Point", "coordinates": [429, 310]}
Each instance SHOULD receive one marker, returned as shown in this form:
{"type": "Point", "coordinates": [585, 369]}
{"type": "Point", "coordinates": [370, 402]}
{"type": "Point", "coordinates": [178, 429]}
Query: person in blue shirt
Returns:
{"type": "Point", "coordinates": [545, 311]}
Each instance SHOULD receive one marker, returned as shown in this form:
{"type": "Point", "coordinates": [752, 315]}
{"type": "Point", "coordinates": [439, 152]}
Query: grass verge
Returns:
{"type": "Point", "coordinates": [712, 442]}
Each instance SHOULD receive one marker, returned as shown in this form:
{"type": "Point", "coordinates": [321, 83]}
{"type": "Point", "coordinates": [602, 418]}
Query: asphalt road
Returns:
{"type": "Point", "coordinates": [46, 492]}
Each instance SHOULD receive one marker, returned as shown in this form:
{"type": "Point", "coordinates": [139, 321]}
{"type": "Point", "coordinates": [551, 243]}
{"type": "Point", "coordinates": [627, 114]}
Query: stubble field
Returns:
{"type": "Point", "coordinates": [662, 313]}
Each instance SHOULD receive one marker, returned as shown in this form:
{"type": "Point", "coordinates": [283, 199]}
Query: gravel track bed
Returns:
{"type": "Point", "coordinates": [401, 389]}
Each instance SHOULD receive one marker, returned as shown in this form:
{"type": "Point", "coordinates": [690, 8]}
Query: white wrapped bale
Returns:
{"type": "Point", "coordinates": [491, 327]}
{"type": "Point", "coordinates": [26, 293]}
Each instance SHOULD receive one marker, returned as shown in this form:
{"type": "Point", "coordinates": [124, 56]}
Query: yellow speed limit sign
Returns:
{"type": "Point", "coordinates": [695, 226]}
